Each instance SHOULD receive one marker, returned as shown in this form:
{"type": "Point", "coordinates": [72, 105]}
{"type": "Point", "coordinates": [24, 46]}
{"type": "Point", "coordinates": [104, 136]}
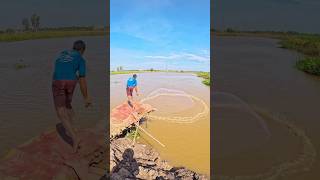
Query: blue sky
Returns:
{"type": "Point", "coordinates": [160, 34]}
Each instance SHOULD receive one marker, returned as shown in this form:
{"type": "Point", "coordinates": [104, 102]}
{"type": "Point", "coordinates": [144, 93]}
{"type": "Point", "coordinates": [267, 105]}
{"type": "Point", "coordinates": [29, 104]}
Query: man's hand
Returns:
{"type": "Point", "coordinates": [87, 102]}
{"type": "Point", "coordinates": [84, 91]}
{"type": "Point", "coordinates": [137, 93]}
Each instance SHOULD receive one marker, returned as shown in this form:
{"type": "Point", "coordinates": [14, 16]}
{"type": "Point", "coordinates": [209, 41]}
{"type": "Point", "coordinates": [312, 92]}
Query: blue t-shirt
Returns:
{"type": "Point", "coordinates": [69, 65]}
{"type": "Point", "coordinates": [132, 82]}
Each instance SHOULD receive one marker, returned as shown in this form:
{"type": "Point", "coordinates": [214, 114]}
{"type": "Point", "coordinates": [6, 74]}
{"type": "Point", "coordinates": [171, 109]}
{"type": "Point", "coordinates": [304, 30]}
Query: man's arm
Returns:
{"type": "Point", "coordinates": [84, 90]}
{"type": "Point", "coordinates": [136, 89]}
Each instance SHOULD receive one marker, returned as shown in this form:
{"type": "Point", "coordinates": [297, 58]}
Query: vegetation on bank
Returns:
{"type": "Point", "coordinates": [49, 33]}
{"type": "Point", "coordinates": [31, 29]}
{"type": "Point", "coordinates": [306, 44]}
{"type": "Point", "coordinates": [309, 65]}
{"type": "Point", "coordinates": [133, 71]}
{"type": "Point", "coordinates": [204, 75]}
{"type": "Point", "coordinates": [133, 134]}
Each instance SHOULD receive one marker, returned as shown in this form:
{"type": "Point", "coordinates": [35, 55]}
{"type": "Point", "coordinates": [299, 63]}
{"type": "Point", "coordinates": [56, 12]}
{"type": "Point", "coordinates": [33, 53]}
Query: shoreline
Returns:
{"type": "Point", "coordinates": [49, 34]}
{"type": "Point", "coordinates": [201, 74]}
{"type": "Point", "coordinates": [304, 43]}
{"type": "Point", "coordinates": [143, 162]}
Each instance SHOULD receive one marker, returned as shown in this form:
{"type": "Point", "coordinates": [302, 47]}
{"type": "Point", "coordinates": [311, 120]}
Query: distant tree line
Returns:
{"type": "Point", "coordinates": [120, 68]}
{"type": "Point", "coordinates": [32, 23]}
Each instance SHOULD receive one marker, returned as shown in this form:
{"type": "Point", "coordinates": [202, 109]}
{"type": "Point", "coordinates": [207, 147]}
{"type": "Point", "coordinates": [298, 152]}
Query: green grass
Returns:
{"type": "Point", "coordinates": [205, 76]}
{"type": "Point", "coordinates": [20, 66]}
{"type": "Point", "coordinates": [308, 45]}
{"type": "Point", "coordinates": [47, 34]}
{"type": "Point", "coordinates": [131, 72]}
{"type": "Point", "coordinates": [146, 71]}
{"type": "Point", "coordinates": [131, 134]}
{"type": "Point", "coordinates": [309, 65]}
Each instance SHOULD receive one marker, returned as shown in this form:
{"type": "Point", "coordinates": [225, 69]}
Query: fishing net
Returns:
{"type": "Point", "coordinates": [239, 127]}
{"type": "Point", "coordinates": [177, 93]}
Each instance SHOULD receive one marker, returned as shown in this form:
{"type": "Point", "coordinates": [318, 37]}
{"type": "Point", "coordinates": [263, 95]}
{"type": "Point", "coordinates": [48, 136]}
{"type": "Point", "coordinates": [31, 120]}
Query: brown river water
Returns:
{"type": "Point", "coordinates": [254, 82]}
{"type": "Point", "coordinates": [258, 96]}
{"type": "Point", "coordinates": [26, 106]}
{"type": "Point", "coordinates": [186, 144]}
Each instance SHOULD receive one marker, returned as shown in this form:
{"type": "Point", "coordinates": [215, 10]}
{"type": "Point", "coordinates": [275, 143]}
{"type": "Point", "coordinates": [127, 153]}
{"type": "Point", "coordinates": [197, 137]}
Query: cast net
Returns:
{"type": "Point", "coordinates": [164, 92]}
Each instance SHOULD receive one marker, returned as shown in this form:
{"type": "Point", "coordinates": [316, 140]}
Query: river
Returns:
{"type": "Point", "coordinates": [26, 103]}
{"type": "Point", "coordinates": [263, 76]}
{"type": "Point", "coordinates": [186, 144]}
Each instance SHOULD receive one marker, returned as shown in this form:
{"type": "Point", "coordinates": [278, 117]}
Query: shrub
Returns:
{"type": "Point", "coordinates": [309, 65]}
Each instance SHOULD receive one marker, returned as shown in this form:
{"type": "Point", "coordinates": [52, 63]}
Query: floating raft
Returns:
{"type": "Point", "coordinates": [49, 156]}
{"type": "Point", "coordinates": [124, 116]}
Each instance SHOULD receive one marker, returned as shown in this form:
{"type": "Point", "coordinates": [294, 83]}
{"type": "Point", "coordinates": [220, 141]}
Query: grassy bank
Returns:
{"type": "Point", "coordinates": [204, 75]}
{"type": "Point", "coordinates": [133, 71]}
{"type": "Point", "coordinates": [146, 71]}
{"type": "Point", "coordinates": [47, 34]}
{"type": "Point", "coordinates": [306, 44]}
{"type": "Point", "coordinates": [309, 65]}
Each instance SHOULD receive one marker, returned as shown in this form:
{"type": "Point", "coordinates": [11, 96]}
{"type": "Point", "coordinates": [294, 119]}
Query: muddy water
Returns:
{"type": "Point", "coordinates": [262, 75]}
{"type": "Point", "coordinates": [185, 144]}
{"type": "Point", "coordinates": [26, 106]}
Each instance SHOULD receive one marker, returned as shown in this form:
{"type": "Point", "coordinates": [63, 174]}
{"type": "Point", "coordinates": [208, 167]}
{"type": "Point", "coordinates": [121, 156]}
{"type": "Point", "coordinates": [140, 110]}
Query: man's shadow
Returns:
{"type": "Point", "coordinates": [128, 167]}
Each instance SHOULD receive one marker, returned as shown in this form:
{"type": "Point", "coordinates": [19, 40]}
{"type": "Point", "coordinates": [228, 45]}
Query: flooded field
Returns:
{"type": "Point", "coordinates": [26, 99]}
{"type": "Point", "coordinates": [266, 112]}
{"type": "Point", "coordinates": [186, 143]}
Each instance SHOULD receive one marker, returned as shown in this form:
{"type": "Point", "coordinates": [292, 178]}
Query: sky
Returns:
{"type": "Point", "coordinates": [279, 15]}
{"type": "Point", "coordinates": [160, 34]}
{"type": "Point", "coordinates": [283, 15]}
{"type": "Point", "coordinates": [54, 13]}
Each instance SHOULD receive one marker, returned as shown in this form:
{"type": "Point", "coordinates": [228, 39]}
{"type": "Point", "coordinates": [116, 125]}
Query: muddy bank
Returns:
{"type": "Point", "coordinates": [143, 162]}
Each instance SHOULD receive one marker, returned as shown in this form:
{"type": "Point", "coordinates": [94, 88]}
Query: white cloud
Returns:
{"type": "Point", "coordinates": [182, 56]}
{"type": "Point", "coordinates": [154, 30]}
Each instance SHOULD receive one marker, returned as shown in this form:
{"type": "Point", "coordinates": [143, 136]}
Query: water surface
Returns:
{"type": "Point", "coordinates": [262, 75]}
{"type": "Point", "coordinates": [26, 100]}
{"type": "Point", "coordinates": [185, 144]}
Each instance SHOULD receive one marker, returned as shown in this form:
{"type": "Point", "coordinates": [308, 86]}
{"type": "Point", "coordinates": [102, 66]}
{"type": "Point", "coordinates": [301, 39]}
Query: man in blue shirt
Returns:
{"type": "Point", "coordinates": [132, 84]}
{"type": "Point", "coordinates": [70, 67]}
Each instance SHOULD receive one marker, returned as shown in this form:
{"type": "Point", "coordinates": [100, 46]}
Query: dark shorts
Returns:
{"type": "Point", "coordinates": [129, 91]}
{"type": "Point", "coordinates": [62, 91]}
